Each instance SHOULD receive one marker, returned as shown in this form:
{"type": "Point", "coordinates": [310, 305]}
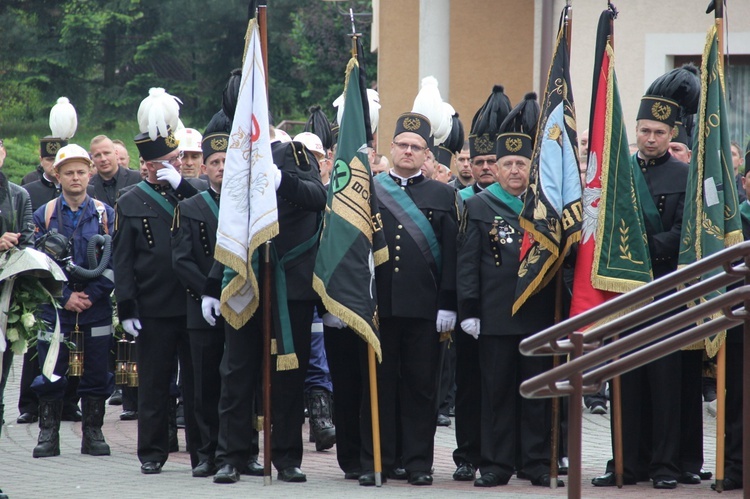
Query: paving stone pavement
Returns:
{"type": "Point", "coordinates": [72, 475]}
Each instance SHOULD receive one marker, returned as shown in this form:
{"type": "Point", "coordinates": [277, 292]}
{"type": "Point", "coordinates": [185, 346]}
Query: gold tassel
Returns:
{"type": "Point", "coordinates": [287, 362]}
{"type": "Point", "coordinates": [259, 423]}
{"type": "Point", "coordinates": [274, 347]}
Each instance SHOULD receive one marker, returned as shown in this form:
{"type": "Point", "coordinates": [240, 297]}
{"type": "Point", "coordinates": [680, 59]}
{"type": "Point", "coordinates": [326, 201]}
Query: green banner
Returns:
{"type": "Point", "coordinates": [352, 242]}
{"type": "Point", "coordinates": [711, 220]}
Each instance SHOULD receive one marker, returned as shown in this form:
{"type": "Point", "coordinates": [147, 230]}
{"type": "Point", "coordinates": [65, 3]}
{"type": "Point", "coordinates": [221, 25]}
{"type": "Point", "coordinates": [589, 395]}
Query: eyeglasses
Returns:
{"type": "Point", "coordinates": [403, 147]}
{"type": "Point", "coordinates": [172, 161]}
{"type": "Point", "coordinates": [481, 162]}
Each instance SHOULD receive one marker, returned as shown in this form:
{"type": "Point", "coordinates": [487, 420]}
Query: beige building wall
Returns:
{"type": "Point", "coordinates": [648, 35]}
{"type": "Point", "coordinates": [491, 43]}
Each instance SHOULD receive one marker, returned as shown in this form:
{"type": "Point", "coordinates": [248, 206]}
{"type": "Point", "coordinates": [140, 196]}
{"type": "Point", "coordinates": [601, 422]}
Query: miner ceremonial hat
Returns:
{"type": "Point", "coordinates": [213, 143]}
{"type": "Point", "coordinates": [69, 153]}
{"type": "Point", "coordinates": [63, 122]}
{"type": "Point", "coordinates": [672, 96]}
{"type": "Point", "coordinates": [158, 117]}
{"type": "Point", "coordinates": [486, 123]}
{"type": "Point", "coordinates": [518, 129]}
{"type": "Point", "coordinates": [414, 123]}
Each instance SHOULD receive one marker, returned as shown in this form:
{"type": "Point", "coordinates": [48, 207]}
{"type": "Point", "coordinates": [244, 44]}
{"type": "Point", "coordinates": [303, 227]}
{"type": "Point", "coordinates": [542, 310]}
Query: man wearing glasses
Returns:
{"type": "Point", "coordinates": [150, 299]}
{"type": "Point", "coordinates": [416, 291]}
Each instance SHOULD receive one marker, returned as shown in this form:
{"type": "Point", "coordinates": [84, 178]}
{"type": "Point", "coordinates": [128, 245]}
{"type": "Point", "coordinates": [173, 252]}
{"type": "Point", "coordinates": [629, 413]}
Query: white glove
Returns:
{"type": "Point", "coordinates": [471, 326]}
{"type": "Point", "coordinates": [210, 307]}
{"type": "Point", "coordinates": [132, 327]}
{"type": "Point", "coordinates": [170, 174]}
{"type": "Point", "coordinates": [276, 176]}
{"type": "Point", "coordinates": [446, 321]}
{"type": "Point", "coordinates": [331, 320]}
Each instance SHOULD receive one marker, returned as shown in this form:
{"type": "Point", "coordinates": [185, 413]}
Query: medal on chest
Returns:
{"type": "Point", "coordinates": [502, 232]}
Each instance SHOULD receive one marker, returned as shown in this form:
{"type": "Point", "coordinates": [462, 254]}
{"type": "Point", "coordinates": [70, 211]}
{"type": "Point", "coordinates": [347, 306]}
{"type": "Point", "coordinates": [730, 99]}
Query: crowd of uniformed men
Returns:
{"type": "Point", "coordinates": [450, 215]}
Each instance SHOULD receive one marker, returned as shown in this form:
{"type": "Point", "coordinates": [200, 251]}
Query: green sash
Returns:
{"type": "Point", "coordinates": [211, 204]}
{"type": "Point", "coordinates": [651, 216]}
{"type": "Point", "coordinates": [745, 210]}
{"type": "Point", "coordinates": [513, 202]}
{"type": "Point", "coordinates": [159, 199]}
{"type": "Point", "coordinates": [286, 358]}
{"type": "Point", "coordinates": [408, 214]}
{"type": "Point", "coordinates": [466, 192]}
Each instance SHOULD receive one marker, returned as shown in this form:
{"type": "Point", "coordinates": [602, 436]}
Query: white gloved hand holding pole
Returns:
{"type": "Point", "coordinates": [446, 321]}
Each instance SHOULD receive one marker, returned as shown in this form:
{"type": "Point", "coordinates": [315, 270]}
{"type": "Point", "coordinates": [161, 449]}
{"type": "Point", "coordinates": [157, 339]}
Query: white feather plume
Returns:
{"type": "Point", "coordinates": [63, 120]}
{"type": "Point", "coordinates": [157, 112]}
{"type": "Point", "coordinates": [429, 103]}
{"type": "Point", "coordinates": [373, 103]}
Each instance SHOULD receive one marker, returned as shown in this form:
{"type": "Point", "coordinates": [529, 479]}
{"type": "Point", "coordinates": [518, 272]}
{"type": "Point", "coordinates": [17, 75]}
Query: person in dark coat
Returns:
{"type": "Point", "coordinates": [416, 292]}
{"type": "Point", "coordinates": [301, 198]}
{"type": "Point", "coordinates": [109, 178]}
{"type": "Point", "coordinates": [150, 298]}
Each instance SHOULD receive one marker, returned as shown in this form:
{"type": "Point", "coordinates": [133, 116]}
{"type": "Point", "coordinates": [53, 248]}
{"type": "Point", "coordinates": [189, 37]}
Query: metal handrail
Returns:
{"type": "Point", "coordinates": [593, 362]}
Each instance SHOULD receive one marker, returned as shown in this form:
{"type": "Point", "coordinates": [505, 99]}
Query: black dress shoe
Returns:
{"type": "Point", "coordinates": [151, 468]}
{"type": "Point", "coordinates": [665, 483]}
{"type": "Point", "coordinates": [128, 415]}
{"type": "Point", "coordinates": [368, 479]}
{"type": "Point", "coordinates": [397, 474]}
{"type": "Point", "coordinates": [227, 474]}
{"type": "Point", "coordinates": [465, 473]}
{"type": "Point", "coordinates": [292, 474]}
{"type": "Point", "coordinates": [705, 475]}
{"type": "Point", "coordinates": [27, 418]}
{"type": "Point", "coordinates": [443, 420]}
{"type": "Point", "coordinates": [729, 484]}
{"type": "Point", "coordinates": [608, 480]}
{"type": "Point", "coordinates": [544, 480]}
{"type": "Point", "coordinates": [352, 475]}
{"type": "Point", "coordinates": [204, 469]}
{"type": "Point", "coordinates": [490, 480]}
{"type": "Point", "coordinates": [254, 468]}
{"type": "Point", "coordinates": [420, 478]}
{"type": "Point", "coordinates": [689, 478]}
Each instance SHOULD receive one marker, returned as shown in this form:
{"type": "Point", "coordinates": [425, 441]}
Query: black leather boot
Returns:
{"type": "Point", "coordinates": [321, 419]}
{"type": "Point", "coordinates": [92, 441]}
{"type": "Point", "coordinates": [174, 445]}
{"type": "Point", "coordinates": [50, 412]}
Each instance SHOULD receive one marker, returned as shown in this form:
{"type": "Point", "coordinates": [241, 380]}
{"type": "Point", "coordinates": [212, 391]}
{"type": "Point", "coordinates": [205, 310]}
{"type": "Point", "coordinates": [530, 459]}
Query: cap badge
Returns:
{"type": "Point", "coordinates": [483, 144]}
{"type": "Point", "coordinates": [660, 111]}
{"type": "Point", "coordinates": [513, 144]}
{"type": "Point", "coordinates": [412, 124]}
{"type": "Point", "coordinates": [171, 140]}
{"type": "Point", "coordinates": [52, 147]}
{"type": "Point", "coordinates": [219, 144]}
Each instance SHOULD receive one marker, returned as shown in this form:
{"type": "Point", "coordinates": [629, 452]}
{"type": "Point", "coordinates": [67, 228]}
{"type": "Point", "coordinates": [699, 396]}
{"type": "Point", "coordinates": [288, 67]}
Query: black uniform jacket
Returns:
{"type": "Point", "coordinates": [666, 178]}
{"type": "Point", "coordinates": [145, 285]}
{"type": "Point", "coordinates": [405, 283]}
{"type": "Point", "coordinates": [193, 243]}
{"type": "Point", "coordinates": [42, 191]}
{"type": "Point", "coordinates": [488, 255]}
{"type": "Point", "coordinates": [122, 178]}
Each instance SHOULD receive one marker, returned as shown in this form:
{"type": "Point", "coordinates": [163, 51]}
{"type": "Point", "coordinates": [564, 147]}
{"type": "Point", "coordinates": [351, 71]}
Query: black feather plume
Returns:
{"type": "Point", "coordinates": [492, 113]}
{"type": "Point", "coordinates": [682, 85]}
{"type": "Point", "coordinates": [524, 117]}
{"type": "Point", "coordinates": [219, 124]}
{"type": "Point", "coordinates": [455, 141]}
{"type": "Point", "coordinates": [318, 124]}
{"type": "Point", "coordinates": [231, 93]}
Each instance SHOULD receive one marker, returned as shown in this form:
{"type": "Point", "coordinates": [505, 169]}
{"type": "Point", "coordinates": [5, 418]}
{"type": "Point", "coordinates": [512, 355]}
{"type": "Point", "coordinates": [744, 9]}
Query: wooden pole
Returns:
{"type": "Point", "coordinates": [266, 293]}
{"type": "Point", "coordinates": [375, 416]}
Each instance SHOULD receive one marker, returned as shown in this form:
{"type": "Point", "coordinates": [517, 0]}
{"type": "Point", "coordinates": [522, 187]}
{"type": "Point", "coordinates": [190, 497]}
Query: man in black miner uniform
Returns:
{"type": "Point", "coordinates": [150, 299]}
{"type": "Point", "coordinates": [193, 242]}
{"type": "Point", "coordinates": [48, 147]}
{"type": "Point", "coordinates": [651, 398]}
{"type": "Point", "coordinates": [482, 167]}
{"type": "Point", "coordinates": [416, 302]}
{"type": "Point", "coordinates": [515, 431]}
{"type": "Point", "coordinates": [301, 198]}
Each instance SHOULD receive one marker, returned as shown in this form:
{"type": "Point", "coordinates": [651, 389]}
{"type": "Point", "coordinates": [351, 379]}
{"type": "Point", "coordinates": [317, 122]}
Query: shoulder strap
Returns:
{"type": "Point", "coordinates": [49, 209]}
{"type": "Point", "coordinates": [98, 204]}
